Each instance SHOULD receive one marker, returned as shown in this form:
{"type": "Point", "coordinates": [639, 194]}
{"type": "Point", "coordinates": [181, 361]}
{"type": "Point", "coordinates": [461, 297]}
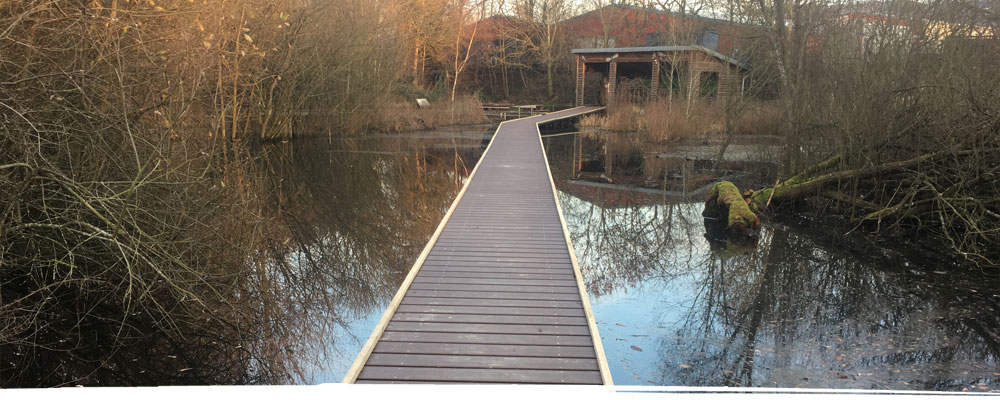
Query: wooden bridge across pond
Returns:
{"type": "Point", "coordinates": [496, 296]}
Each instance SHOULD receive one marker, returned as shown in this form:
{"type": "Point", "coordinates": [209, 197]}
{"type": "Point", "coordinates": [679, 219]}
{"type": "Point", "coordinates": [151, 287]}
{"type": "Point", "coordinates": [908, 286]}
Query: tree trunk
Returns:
{"type": "Point", "coordinates": [460, 66]}
{"type": "Point", "coordinates": [730, 133]}
{"type": "Point", "coordinates": [548, 76]}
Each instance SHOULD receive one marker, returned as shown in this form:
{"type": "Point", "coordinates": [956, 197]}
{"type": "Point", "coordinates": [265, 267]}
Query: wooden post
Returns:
{"type": "Point", "coordinates": [581, 71]}
{"type": "Point", "coordinates": [577, 155]}
{"type": "Point", "coordinates": [612, 81]}
{"type": "Point", "coordinates": [654, 82]}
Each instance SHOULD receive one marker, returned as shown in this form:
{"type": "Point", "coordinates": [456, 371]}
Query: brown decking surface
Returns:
{"type": "Point", "coordinates": [497, 299]}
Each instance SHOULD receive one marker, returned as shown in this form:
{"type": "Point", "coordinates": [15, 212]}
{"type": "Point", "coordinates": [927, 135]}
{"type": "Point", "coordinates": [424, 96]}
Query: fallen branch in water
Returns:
{"type": "Point", "coordinates": [954, 192]}
{"type": "Point", "coordinates": [803, 183]}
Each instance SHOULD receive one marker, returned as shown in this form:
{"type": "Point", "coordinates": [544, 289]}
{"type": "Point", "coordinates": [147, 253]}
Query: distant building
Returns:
{"type": "Point", "coordinates": [692, 71]}
{"type": "Point", "coordinates": [870, 20]}
{"type": "Point", "coordinates": [707, 51]}
{"type": "Point", "coordinates": [625, 26]}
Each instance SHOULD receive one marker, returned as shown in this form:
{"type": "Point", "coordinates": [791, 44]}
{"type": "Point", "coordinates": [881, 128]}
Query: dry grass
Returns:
{"type": "Point", "coordinates": [663, 120]}
{"type": "Point", "coordinates": [591, 120]}
{"type": "Point", "coordinates": [624, 118]}
{"type": "Point", "coordinates": [406, 116]}
{"type": "Point", "coordinates": [761, 119]}
{"type": "Point", "coordinates": [666, 121]}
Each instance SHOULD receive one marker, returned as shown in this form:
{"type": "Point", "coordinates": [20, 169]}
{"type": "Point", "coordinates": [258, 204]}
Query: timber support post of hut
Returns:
{"type": "Point", "coordinates": [612, 80]}
{"type": "Point", "coordinates": [725, 73]}
{"type": "Point", "coordinates": [654, 81]}
{"type": "Point", "coordinates": [581, 74]}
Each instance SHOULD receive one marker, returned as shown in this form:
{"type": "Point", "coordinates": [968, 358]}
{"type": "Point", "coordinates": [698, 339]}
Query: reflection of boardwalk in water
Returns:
{"type": "Point", "coordinates": [496, 296]}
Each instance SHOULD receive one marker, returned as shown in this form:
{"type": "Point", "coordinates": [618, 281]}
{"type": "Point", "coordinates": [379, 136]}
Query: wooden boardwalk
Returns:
{"type": "Point", "coordinates": [496, 296]}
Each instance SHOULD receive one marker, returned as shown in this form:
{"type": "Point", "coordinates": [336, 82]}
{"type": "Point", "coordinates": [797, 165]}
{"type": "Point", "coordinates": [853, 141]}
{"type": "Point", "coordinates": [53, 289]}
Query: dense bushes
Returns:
{"type": "Point", "coordinates": [131, 220]}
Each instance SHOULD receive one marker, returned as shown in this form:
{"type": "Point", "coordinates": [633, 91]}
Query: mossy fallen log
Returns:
{"type": "Point", "coordinates": [724, 201]}
{"type": "Point", "coordinates": [815, 178]}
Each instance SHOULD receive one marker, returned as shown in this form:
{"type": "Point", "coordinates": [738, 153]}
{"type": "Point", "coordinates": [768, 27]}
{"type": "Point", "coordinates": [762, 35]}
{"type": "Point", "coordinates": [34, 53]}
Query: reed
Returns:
{"type": "Point", "coordinates": [401, 116]}
{"type": "Point", "coordinates": [762, 118]}
{"type": "Point", "coordinates": [662, 120]}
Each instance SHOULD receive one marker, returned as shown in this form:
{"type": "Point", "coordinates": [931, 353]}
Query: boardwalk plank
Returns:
{"type": "Point", "coordinates": [495, 238]}
{"type": "Point", "coordinates": [516, 282]}
{"type": "Point", "coordinates": [498, 256]}
{"type": "Point", "coordinates": [486, 338]}
{"type": "Point", "coordinates": [382, 382]}
{"type": "Point", "coordinates": [554, 250]}
{"type": "Point", "coordinates": [455, 327]}
{"type": "Point", "coordinates": [488, 244]}
{"type": "Point", "coordinates": [447, 361]}
{"type": "Point", "coordinates": [488, 273]}
{"type": "Point", "coordinates": [495, 288]}
{"type": "Point", "coordinates": [482, 375]}
{"type": "Point", "coordinates": [526, 262]}
{"type": "Point", "coordinates": [499, 264]}
{"type": "Point", "coordinates": [485, 349]}
{"type": "Point", "coordinates": [547, 272]}
{"type": "Point", "coordinates": [491, 302]}
{"type": "Point", "coordinates": [465, 294]}
{"type": "Point", "coordinates": [542, 312]}
{"type": "Point", "coordinates": [506, 226]}
{"type": "Point", "coordinates": [490, 319]}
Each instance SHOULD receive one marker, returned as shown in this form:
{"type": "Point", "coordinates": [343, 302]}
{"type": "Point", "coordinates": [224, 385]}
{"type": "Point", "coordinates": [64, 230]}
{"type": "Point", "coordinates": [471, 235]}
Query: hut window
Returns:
{"type": "Point", "coordinates": [709, 84]}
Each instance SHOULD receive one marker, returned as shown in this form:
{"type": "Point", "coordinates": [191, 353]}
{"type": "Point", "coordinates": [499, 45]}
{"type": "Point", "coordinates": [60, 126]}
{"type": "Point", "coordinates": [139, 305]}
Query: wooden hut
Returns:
{"type": "Point", "coordinates": [690, 71]}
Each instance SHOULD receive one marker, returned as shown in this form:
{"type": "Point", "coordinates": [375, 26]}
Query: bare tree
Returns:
{"type": "Point", "coordinates": [462, 12]}
{"type": "Point", "coordinates": [538, 33]}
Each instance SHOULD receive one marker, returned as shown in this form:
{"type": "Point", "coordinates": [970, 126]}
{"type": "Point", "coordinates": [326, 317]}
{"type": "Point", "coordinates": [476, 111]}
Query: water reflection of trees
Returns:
{"type": "Point", "coordinates": [621, 236]}
{"type": "Point", "coordinates": [630, 159]}
{"type": "Point", "coordinates": [354, 216]}
{"type": "Point", "coordinates": [319, 233]}
{"type": "Point", "coordinates": [622, 246]}
{"type": "Point", "coordinates": [800, 309]}
{"type": "Point", "coordinates": [802, 313]}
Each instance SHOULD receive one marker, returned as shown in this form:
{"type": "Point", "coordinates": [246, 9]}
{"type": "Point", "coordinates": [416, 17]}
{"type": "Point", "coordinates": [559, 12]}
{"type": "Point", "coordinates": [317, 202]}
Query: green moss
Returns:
{"type": "Point", "coordinates": [804, 176]}
{"type": "Point", "coordinates": [726, 196]}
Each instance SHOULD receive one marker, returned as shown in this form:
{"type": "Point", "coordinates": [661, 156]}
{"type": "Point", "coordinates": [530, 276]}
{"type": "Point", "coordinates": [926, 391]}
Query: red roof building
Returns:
{"type": "Point", "coordinates": [623, 26]}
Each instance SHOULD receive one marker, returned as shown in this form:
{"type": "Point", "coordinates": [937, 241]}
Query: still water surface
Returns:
{"type": "Point", "coordinates": [800, 308]}
{"type": "Point", "coordinates": [363, 208]}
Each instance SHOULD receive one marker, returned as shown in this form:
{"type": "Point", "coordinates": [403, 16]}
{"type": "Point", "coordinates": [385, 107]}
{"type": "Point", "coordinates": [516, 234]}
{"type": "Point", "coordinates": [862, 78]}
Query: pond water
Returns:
{"type": "Point", "coordinates": [335, 224]}
{"type": "Point", "coordinates": [363, 207]}
{"type": "Point", "coordinates": [800, 307]}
